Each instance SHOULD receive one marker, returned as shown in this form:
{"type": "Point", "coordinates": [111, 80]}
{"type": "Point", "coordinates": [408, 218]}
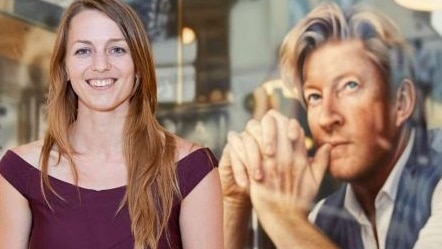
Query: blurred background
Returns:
{"type": "Point", "coordinates": [211, 58]}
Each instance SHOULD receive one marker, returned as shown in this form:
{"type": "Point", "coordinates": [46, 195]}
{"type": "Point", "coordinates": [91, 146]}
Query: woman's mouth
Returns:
{"type": "Point", "coordinates": [101, 82]}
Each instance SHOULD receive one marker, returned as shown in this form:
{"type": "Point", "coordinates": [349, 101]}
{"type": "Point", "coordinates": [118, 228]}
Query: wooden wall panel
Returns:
{"type": "Point", "coordinates": [25, 43]}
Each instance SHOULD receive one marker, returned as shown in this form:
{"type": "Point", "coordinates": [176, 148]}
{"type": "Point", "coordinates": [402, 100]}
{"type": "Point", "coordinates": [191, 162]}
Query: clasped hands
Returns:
{"type": "Point", "coordinates": [267, 165]}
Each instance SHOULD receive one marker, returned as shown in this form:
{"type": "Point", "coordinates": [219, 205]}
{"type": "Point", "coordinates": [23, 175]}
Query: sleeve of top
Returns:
{"type": "Point", "coordinates": [193, 168]}
{"type": "Point", "coordinates": [12, 168]}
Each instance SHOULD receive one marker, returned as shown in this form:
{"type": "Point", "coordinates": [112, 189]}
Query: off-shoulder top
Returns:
{"type": "Point", "coordinates": [89, 219]}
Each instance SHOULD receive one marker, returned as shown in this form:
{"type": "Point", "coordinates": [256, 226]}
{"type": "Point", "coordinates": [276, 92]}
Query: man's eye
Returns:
{"type": "Point", "coordinates": [313, 98]}
{"type": "Point", "coordinates": [351, 85]}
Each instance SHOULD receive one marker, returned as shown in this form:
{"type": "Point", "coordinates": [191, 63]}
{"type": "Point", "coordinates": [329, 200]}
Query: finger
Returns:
{"type": "Point", "coordinates": [312, 176]}
{"type": "Point", "coordinates": [280, 164]}
{"type": "Point", "coordinates": [238, 158]}
{"type": "Point", "coordinates": [254, 157]}
{"type": "Point", "coordinates": [234, 140]}
{"type": "Point", "coordinates": [321, 162]}
{"type": "Point", "coordinates": [254, 129]}
{"type": "Point", "coordinates": [225, 161]}
{"type": "Point", "coordinates": [300, 160]}
{"type": "Point", "coordinates": [261, 102]}
{"type": "Point", "coordinates": [225, 165]}
{"type": "Point", "coordinates": [239, 170]}
{"type": "Point", "coordinates": [293, 129]}
{"type": "Point", "coordinates": [269, 133]}
{"type": "Point", "coordinates": [271, 177]}
{"type": "Point", "coordinates": [298, 138]}
{"type": "Point", "coordinates": [284, 148]}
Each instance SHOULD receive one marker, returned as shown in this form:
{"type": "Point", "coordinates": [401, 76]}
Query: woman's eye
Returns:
{"type": "Point", "coordinates": [82, 52]}
{"type": "Point", "coordinates": [117, 50]}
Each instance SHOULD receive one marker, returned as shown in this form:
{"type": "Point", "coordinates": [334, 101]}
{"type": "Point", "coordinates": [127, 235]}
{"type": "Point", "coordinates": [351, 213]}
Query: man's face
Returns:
{"type": "Point", "coordinates": [348, 106]}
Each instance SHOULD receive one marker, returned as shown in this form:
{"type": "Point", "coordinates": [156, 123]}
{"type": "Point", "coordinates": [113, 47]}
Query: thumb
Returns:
{"type": "Point", "coordinates": [225, 157]}
{"type": "Point", "coordinates": [321, 162]}
{"type": "Point", "coordinates": [231, 167]}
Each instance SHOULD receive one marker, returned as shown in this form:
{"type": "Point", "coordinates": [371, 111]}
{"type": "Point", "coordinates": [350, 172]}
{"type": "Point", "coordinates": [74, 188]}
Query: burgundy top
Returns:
{"type": "Point", "coordinates": [88, 219]}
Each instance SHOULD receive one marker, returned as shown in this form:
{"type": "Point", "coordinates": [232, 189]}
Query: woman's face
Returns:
{"type": "Point", "coordinates": [99, 63]}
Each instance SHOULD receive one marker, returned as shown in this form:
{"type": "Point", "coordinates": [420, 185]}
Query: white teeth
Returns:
{"type": "Point", "coordinates": [101, 83]}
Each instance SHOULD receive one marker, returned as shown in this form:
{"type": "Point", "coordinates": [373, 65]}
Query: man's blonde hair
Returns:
{"type": "Point", "coordinates": [381, 38]}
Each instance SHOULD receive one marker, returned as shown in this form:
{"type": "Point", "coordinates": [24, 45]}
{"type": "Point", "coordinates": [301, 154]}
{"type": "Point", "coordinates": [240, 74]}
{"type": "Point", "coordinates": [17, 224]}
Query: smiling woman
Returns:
{"type": "Point", "coordinates": [107, 174]}
{"type": "Point", "coordinates": [99, 63]}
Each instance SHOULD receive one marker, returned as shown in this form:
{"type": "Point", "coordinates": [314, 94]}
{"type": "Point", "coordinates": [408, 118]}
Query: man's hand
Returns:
{"type": "Point", "coordinates": [272, 152]}
{"type": "Point", "coordinates": [288, 178]}
{"type": "Point", "coordinates": [237, 205]}
{"type": "Point", "coordinates": [234, 194]}
{"type": "Point", "coordinates": [269, 162]}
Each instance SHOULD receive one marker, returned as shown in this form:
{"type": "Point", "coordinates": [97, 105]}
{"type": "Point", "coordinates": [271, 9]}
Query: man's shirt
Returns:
{"type": "Point", "coordinates": [429, 237]}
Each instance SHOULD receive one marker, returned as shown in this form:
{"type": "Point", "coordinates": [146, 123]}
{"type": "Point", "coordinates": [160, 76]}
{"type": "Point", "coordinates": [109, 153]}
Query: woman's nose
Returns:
{"type": "Point", "coordinates": [101, 63]}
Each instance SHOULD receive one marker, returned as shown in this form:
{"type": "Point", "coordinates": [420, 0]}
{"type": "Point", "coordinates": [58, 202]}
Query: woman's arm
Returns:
{"type": "Point", "coordinates": [15, 218]}
{"type": "Point", "coordinates": [201, 218]}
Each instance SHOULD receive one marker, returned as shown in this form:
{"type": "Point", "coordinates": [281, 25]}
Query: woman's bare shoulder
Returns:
{"type": "Point", "coordinates": [185, 147]}
{"type": "Point", "coordinates": [30, 152]}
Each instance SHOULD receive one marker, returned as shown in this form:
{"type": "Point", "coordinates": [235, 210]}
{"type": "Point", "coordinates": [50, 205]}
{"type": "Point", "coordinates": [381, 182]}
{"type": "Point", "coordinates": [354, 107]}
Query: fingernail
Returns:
{"type": "Point", "coordinates": [243, 183]}
{"type": "Point", "coordinates": [258, 174]}
{"type": "Point", "coordinates": [269, 149]}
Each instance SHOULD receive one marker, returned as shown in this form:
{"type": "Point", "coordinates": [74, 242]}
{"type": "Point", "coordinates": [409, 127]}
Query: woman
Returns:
{"type": "Point", "coordinates": [107, 175]}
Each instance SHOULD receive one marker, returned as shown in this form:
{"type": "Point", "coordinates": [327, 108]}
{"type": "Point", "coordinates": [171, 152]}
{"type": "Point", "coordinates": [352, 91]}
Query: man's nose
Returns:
{"type": "Point", "coordinates": [330, 114]}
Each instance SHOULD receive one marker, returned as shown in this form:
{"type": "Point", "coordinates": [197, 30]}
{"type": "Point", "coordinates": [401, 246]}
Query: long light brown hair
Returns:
{"type": "Point", "coordinates": [149, 150]}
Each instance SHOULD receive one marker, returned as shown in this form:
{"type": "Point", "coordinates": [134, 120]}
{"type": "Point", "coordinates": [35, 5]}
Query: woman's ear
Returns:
{"type": "Point", "coordinates": [137, 81]}
{"type": "Point", "coordinates": [405, 101]}
{"type": "Point", "coordinates": [67, 74]}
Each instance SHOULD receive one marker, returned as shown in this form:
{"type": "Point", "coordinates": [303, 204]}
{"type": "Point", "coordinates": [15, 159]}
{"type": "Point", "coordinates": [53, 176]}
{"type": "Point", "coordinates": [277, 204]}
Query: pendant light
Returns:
{"type": "Point", "coordinates": [421, 5]}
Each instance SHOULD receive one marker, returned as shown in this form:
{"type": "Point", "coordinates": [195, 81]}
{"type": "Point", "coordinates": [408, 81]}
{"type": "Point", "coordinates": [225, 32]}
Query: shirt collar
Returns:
{"type": "Point", "coordinates": [391, 184]}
